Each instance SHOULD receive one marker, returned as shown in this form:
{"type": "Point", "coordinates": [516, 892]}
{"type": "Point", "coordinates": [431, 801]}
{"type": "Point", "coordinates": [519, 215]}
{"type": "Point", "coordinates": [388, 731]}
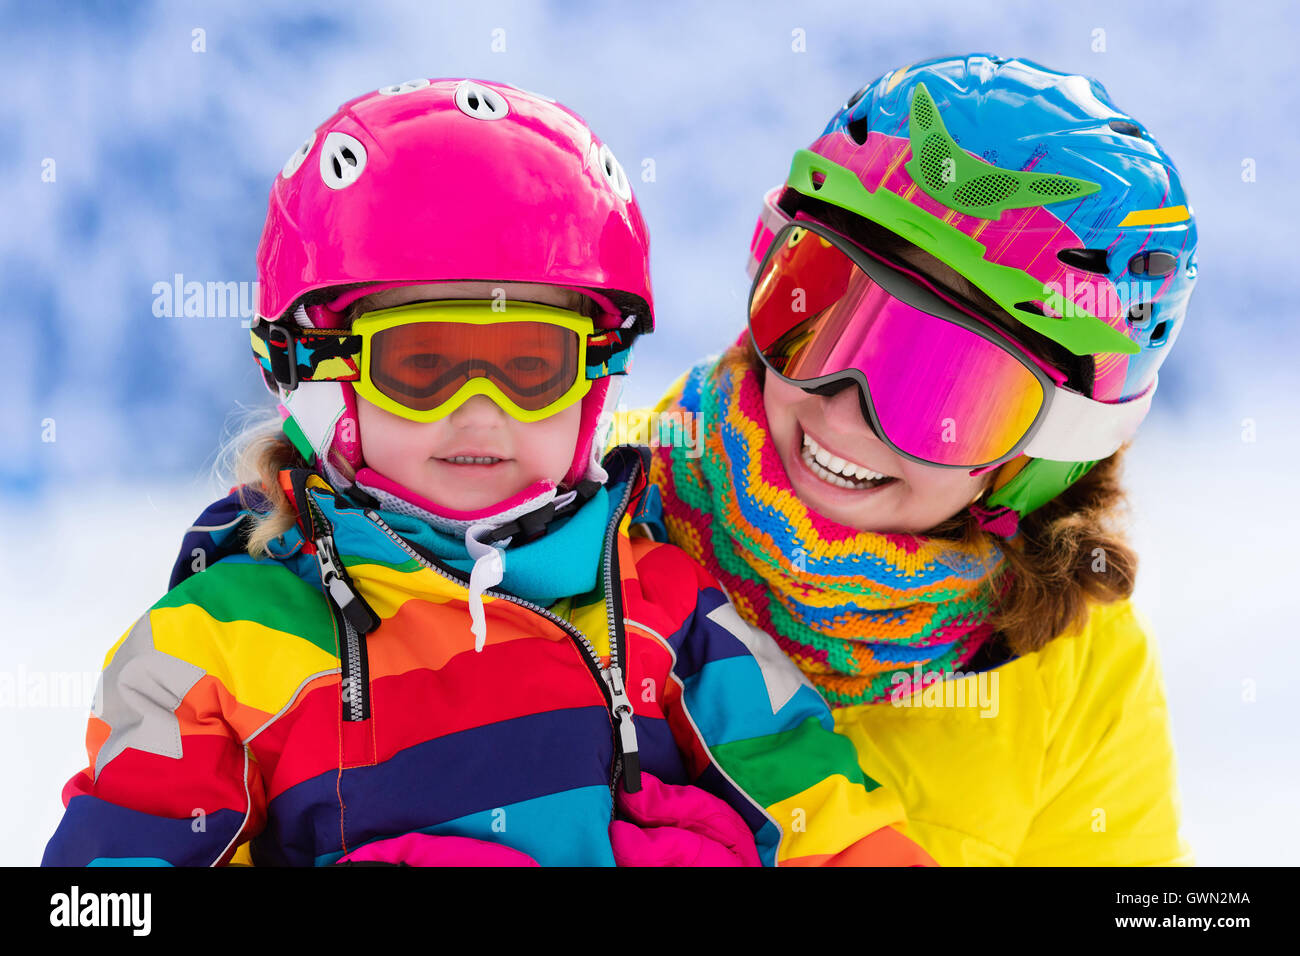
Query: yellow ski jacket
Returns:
{"type": "Point", "coordinates": [1063, 757]}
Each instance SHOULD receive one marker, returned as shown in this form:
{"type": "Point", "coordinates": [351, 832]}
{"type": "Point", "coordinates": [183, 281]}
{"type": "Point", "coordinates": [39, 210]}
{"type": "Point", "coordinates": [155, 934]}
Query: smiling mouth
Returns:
{"type": "Point", "coordinates": [471, 460]}
{"type": "Point", "coordinates": [838, 471]}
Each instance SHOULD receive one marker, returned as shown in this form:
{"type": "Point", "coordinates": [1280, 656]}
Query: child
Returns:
{"type": "Point", "coordinates": [961, 299]}
{"type": "Point", "coordinates": [456, 653]}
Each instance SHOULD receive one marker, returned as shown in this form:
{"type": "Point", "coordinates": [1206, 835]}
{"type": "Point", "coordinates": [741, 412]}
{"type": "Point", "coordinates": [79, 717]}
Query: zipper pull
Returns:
{"type": "Point", "coordinates": [341, 591]}
{"type": "Point", "coordinates": [489, 570]}
{"type": "Point", "coordinates": [621, 707]}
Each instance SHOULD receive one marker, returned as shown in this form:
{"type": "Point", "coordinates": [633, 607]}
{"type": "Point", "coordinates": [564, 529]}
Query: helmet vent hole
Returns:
{"type": "Point", "coordinates": [1038, 308]}
{"type": "Point", "coordinates": [293, 162]}
{"type": "Point", "coordinates": [1089, 260]}
{"type": "Point", "coordinates": [399, 88]}
{"type": "Point", "coordinates": [857, 130]}
{"type": "Point", "coordinates": [480, 102]}
{"type": "Point", "coordinates": [1139, 314]}
{"type": "Point", "coordinates": [852, 101]}
{"type": "Point", "coordinates": [1153, 264]}
{"type": "Point", "coordinates": [1160, 333]}
{"type": "Point", "coordinates": [614, 174]}
{"type": "Point", "coordinates": [1125, 128]}
{"type": "Point", "coordinates": [818, 179]}
{"type": "Point", "coordinates": [342, 160]}
{"type": "Point", "coordinates": [344, 155]}
{"type": "Point", "coordinates": [347, 156]}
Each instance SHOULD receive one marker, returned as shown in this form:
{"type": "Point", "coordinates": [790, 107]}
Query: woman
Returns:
{"type": "Point", "coordinates": [912, 456]}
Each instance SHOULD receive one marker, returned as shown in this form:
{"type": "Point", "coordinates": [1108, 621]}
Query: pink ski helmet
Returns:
{"type": "Point", "coordinates": [446, 180]}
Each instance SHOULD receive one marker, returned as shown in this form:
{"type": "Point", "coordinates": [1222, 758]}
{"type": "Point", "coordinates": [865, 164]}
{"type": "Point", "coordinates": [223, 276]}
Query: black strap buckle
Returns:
{"type": "Point", "coordinates": [533, 525]}
{"type": "Point", "coordinates": [284, 362]}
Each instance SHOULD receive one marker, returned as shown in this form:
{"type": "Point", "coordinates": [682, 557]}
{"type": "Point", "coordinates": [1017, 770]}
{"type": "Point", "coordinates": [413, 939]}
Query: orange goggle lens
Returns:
{"type": "Point", "coordinates": [421, 365]}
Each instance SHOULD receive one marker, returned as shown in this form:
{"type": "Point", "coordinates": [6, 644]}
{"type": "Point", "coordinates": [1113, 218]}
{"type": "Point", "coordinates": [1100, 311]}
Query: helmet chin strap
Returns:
{"type": "Point", "coordinates": [1001, 521]}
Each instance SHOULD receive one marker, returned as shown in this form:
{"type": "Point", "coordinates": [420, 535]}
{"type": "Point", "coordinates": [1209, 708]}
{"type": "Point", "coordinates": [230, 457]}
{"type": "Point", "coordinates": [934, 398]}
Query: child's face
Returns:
{"type": "Point", "coordinates": [920, 497]}
{"type": "Point", "coordinates": [418, 454]}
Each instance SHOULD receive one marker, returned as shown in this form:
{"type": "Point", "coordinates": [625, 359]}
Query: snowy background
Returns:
{"type": "Point", "coordinates": [163, 157]}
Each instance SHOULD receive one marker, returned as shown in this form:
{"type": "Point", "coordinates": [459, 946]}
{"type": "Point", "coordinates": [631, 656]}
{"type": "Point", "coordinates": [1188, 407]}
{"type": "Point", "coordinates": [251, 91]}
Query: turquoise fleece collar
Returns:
{"type": "Point", "coordinates": [561, 563]}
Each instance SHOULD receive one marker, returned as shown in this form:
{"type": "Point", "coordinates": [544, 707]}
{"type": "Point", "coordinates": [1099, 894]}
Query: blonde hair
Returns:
{"type": "Point", "coordinates": [253, 458]}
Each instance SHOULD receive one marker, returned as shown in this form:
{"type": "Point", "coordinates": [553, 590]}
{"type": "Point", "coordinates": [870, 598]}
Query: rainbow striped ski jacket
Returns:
{"type": "Point", "coordinates": [248, 717]}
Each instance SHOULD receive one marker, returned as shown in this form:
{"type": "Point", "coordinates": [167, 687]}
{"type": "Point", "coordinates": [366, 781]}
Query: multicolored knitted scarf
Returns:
{"type": "Point", "coordinates": [865, 615]}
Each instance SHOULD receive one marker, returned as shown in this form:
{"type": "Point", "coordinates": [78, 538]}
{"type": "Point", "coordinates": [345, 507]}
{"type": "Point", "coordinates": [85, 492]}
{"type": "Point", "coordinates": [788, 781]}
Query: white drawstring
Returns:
{"type": "Point", "coordinates": [489, 570]}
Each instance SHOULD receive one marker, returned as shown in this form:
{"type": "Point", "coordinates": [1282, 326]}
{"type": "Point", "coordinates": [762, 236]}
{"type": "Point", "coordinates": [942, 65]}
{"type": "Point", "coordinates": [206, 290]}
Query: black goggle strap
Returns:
{"type": "Point", "coordinates": [290, 354]}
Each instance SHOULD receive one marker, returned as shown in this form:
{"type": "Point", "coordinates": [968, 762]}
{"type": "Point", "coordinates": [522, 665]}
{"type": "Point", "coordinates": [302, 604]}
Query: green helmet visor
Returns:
{"type": "Point", "coordinates": [972, 187]}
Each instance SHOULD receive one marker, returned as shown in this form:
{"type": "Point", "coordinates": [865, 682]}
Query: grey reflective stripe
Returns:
{"type": "Point", "coordinates": [138, 695]}
{"type": "Point", "coordinates": [780, 674]}
{"type": "Point", "coordinates": [293, 699]}
{"type": "Point", "coordinates": [248, 812]}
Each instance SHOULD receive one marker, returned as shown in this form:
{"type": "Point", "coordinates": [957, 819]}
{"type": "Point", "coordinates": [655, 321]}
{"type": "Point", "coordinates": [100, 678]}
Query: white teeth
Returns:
{"type": "Point", "coordinates": [837, 465]}
{"type": "Point", "coordinates": [472, 460]}
{"type": "Point", "coordinates": [828, 476]}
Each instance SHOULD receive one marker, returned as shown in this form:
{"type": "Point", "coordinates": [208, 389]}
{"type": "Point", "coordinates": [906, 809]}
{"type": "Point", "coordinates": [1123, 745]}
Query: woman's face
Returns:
{"type": "Point", "coordinates": [912, 499]}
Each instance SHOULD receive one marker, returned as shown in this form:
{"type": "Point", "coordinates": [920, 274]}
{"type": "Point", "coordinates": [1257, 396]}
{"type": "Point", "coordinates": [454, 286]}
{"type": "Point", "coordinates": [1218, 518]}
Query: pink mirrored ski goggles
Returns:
{"type": "Point", "coordinates": [938, 384]}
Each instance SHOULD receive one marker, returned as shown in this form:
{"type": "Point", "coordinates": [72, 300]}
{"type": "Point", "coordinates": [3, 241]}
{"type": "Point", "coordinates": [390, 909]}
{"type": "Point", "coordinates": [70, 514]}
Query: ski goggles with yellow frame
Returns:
{"type": "Point", "coordinates": [424, 360]}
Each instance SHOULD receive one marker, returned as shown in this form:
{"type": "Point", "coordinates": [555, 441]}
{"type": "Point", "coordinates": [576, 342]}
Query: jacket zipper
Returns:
{"type": "Point", "coordinates": [355, 684]}
{"type": "Point", "coordinates": [347, 605]}
{"type": "Point", "coordinates": [590, 657]}
{"type": "Point", "coordinates": [620, 704]}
